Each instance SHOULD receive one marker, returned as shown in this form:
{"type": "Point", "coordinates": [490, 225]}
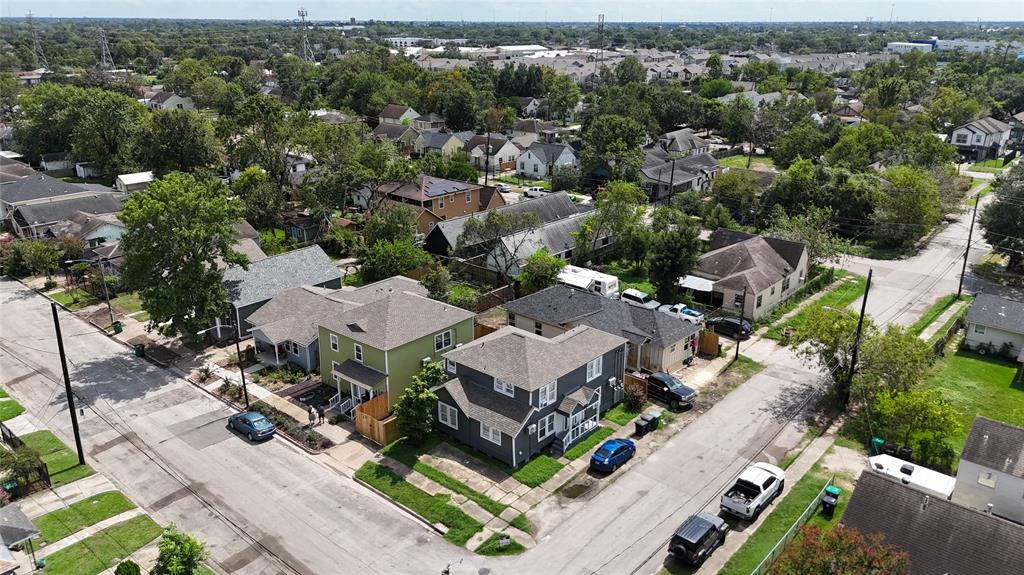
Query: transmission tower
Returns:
{"type": "Point", "coordinates": [106, 61]}
{"type": "Point", "coordinates": [600, 42]}
{"type": "Point", "coordinates": [307, 49]}
{"type": "Point", "coordinates": [36, 46]}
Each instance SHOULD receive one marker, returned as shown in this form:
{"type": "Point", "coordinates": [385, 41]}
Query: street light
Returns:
{"type": "Point", "coordinates": [238, 352]}
{"type": "Point", "coordinates": [98, 262]}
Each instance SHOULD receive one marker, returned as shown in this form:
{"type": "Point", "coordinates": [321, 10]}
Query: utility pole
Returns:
{"type": "Point", "coordinates": [36, 46]}
{"type": "Point", "coordinates": [241, 371]}
{"type": "Point", "coordinates": [307, 49]}
{"type": "Point", "coordinates": [106, 61]}
{"type": "Point", "coordinates": [67, 385]}
{"type": "Point", "coordinates": [739, 332]}
{"type": "Point", "coordinates": [967, 250]}
{"type": "Point", "coordinates": [845, 395]}
{"type": "Point", "coordinates": [487, 157]}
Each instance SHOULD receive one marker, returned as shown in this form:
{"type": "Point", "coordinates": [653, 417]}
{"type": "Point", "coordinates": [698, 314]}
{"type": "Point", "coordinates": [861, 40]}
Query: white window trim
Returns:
{"type": "Point", "coordinates": [469, 196]}
{"type": "Point", "coordinates": [546, 394]}
{"type": "Point", "coordinates": [334, 342]}
{"type": "Point", "coordinates": [449, 365]}
{"type": "Point", "coordinates": [448, 415]}
{"type": "Point", "coordinates": [357, 352]}
{"type": "Point", "coordinates": [597, 363]}
{"type": "Point", "coordinates": [334, 368]}
{"type": "Point", "coordinates": [440, 203]}
{"type": "Point", "coordinates": [979, 329]}
{"type": "Point", "coordinates": [504, 387]}
{"type": "Point", "coordinates": [446, 334]}
{"type": "Point", "coordinates": [491, 431]}
{"type": "Point", "coordinates": [547, 422]}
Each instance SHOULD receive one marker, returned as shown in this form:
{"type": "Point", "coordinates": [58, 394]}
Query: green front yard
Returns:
{"type": "Point", "coordinates": [103, 550]}
{"type": "Point", "coordinates": [994, 166]}
{"type": "Point", "coordinates": [525, 182]}
{"type": "Point", "coordinates": [845, 293]}
{"type": "Point", "coordinates": [61, 461]}
{"type": "Point", "coordinates": [493, 546]}
{"type": "Point", "coordinates": [9, 409]}
{"type": "Point", "coordinates": [58, 524]}
{"type": "Point", "coordinates": [590, 442]}
{"type": "Point", "coordinates": [933, 312]}
{"type": "Point", "coordinates": [740, 161]}
{"type": "Point", "coordinates": [628, 277]}
{"type": "Point", "coordinates": [129, 303]}
{"type": "Point", "coordinates": [979, 385]}
{"type": "Point", "coordinates": [74, 299]}
{"type": "Point", "coordinates": [621, 414]}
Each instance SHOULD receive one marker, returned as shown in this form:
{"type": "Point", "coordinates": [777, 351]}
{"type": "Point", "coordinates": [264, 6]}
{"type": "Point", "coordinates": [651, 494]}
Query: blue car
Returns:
{"type": "Point", "coordinates": [612, 454]}
{"type": "Point", "coordinates": [251, 424]}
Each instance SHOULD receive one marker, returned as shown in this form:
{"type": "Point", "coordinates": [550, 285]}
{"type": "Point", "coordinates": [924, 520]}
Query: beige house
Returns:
{"type": "Point", "coordinates": [995, 325]}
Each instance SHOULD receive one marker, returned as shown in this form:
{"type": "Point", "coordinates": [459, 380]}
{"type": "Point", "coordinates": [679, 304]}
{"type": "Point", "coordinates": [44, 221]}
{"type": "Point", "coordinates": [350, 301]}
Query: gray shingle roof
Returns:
{"type": "Point", "coordinates": [15, 526]}
{"type": "Point", "coordinates": [395, 320]}
{"type": "Point", "coordinates": [548, 153]}
{"type": "Point", "coordinates": [754, 262]}
{"type": "Point", "coordinates": [989, 125]}
{"type": "Point", "coordinates": [486, 406]}
{"type": "Point", "coordinates": [391, 131]}
{"type": "Point", "coordinates": [995, 445]}
{"type": "Point", "coordinates": [352, 370]}
{"type": "Point", "coordinates": [998, 312]}
{"type": "Point", "coordinates": [56, 211]}
{"type": "Point", "coordinates": [36, 187]}
{"type": "Point", "coordinates": [11, 171]}
{"type": "Point", "coordinates": [394, 111]}
{"type": "Point", "coordinates": [556, 236]}
{"type": "Point", "coordinates": [530, 361]}
{"type": "Point", "coordinates": [266, 278]}
{"type": "Point", "coordinates": [581, 397]}
{"type": "Point", "coordinates": [436, 140]}
{"type": "Point", "coordinates": [941, 537]}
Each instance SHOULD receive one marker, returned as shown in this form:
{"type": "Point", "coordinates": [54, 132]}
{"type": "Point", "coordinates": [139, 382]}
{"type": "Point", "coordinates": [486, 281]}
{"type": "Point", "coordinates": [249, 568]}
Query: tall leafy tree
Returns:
{"type": "Point", "coordinates": [840, 550]}
{"type": "Point", "coordinates": [612, 148]}
{"type": "Point", "coordinates": [618, 208]}
{"type": "Point", "coordinates": [907, 208]}
{"type": "Point", "coordinates": [826, 338]}
{"type": "Point", "coordinates": [674, 252]}
{"type": "Point", "coordinates": [452, 96]}
{"type": "Point", "coordinates": [390, 224]}
{"type": "Point", "coordinates": [179, 231]}
{"type": "Point", "coordinates": [483, 235]}
{"type": "Point", "coordinates": [106, 129]}
{"type": "Point", "coordinates": [261, 136]}
{"type": "Point", "coordinates": [262, 199]}
{"type": "Point", "coordinates": [176, 141]}
{"type": "Point", "coordinates": [630, 71]}
{"type": "Point", "coordinates": [540, 271]}
{"type": "Point", "coordinates": [1001, 219]}
{"type": "Point", "coordinates": [563, 95]}
{"type": "Point", "coordinates": [814, 229]}
{"type": "Point", "coordinates": [386, 258]}
{"type": "Point", "coordinates": [415, 410]}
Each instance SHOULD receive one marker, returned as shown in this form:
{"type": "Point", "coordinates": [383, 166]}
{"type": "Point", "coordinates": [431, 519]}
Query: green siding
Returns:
{"type": "Point", "coordinates": [371, 356]}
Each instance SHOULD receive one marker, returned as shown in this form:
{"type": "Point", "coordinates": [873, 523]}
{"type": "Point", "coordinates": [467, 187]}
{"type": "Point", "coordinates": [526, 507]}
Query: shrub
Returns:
{"type": "Point", "coordinates": [128, 567]}
{"type": "Point", "coordinates": [633, 399]}
{"type": "Point", "coordinates": [49, 284]}
{"type": "Point", "coordinates": [464, 296]}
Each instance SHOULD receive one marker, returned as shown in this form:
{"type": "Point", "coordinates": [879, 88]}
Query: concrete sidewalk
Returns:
{"type": "Point", "coordinates": [43, 502]}
{"type": "Point", "coordinates": [938, 322]}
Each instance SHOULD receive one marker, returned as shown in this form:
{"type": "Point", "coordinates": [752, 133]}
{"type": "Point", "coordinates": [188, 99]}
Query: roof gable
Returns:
{"type": "Point", "coordinates": [395, 320]}
{"type": "Point", "coordinates": [995, 445]}
{"type": "Point", "coordinates": [993, 311]}
{"type": "Point", "coordinates": [268, 277]}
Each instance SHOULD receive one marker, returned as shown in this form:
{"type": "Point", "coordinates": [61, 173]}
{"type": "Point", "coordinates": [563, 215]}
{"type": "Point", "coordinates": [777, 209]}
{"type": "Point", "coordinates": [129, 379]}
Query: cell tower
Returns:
{"type": "Point", "coordinates": [600, 41]}
{"type": "Point", "coordinates": [36, 46]}
{"type": "Point", "coordinates": [307, 49]}
{"type": "Point", "coordinates": [106, 61]}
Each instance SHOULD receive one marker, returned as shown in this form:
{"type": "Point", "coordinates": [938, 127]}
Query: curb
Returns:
{"type": "Point", "coordinates": [408, 511]}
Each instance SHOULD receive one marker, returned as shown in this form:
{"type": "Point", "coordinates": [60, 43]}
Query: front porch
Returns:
{"type": "Point", "coordinates": [275, 353]}
{"type": "Point", "coordinates": [579, 414]}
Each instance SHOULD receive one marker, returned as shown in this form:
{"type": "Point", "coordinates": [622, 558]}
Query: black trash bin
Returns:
{"type": "Point", "coordinates": [906, 454]}
{"type": "Point", "coordinates": [643, 426]}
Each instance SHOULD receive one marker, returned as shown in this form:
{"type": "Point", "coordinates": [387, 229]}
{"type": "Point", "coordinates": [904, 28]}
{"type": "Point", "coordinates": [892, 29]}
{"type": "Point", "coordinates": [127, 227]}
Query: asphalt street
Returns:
{"type": "Point", "coordinates": [271, 508]}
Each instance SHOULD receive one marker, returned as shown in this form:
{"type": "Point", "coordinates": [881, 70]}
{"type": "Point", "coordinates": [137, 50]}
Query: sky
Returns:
{"type": "Point", "coordinates": [533, 10]}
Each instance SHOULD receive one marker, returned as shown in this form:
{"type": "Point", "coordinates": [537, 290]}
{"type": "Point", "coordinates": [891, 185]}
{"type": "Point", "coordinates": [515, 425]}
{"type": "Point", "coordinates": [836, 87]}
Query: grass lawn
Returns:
{"type": "Point", "coordinates": [628, 277]}
{"type": "Point", "coordinates": [141, 317]}
{"type": "Point", "coordinates": [61, 461]}
{"type": "Point", "coordinates": [525, 182]}
{"type": "Point", "coordinates": [521, 523]}
{"type": "Point", "coordinates": [99, 552]}
{"type": "Point", "coordinates": [932, 313]}
{"type": "Point", "coordinates": [979, 385]}
{"type": "Point", "coordinates": [621, 414]}
{"type": "Point", "coordinates": [58, 524]}
{"type": "Point", "coordinates": [3, 393]}
{"type": "Point", "coordinates": [9, 409]}
{"type": "Point", "coordinates": [845, 293]}
{"type": "Point", "coordinates": [535, 472]}
{"type": "Point", "coordinates": [786, 512]}
{"type": "Point", "coordinates": [740, 161]}
{"type": "Point", "coordinates": [588, 443]}
{"type": "Point", "coordinates": [743, 367]}
{"type": "Point", "coordinates": [869, 251]}
{"type": "Point", "coordinates": [436, 509]}
{"type": "Point", "coordinates": [992, 165]}
{"type": "Point", "coordinates": [492, 547]}
{"type": "Point", "coordinates": [981, 193]}
{"type": "Point", "coordinates": [128, 302]}
{"type": "Point", "coordinates": [77, 300]}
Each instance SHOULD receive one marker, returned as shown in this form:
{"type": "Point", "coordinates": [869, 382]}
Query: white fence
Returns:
{"type": "Point", "coordinates": [766, 563]}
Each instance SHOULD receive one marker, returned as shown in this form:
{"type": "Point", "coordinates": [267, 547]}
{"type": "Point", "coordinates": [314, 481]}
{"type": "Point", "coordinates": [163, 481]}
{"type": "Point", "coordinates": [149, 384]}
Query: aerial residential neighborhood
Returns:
{"type": "Point", "coordinates": [400, 288]}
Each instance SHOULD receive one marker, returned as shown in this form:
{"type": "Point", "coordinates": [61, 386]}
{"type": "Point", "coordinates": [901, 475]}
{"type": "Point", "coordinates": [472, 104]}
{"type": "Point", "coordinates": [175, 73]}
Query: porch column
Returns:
{"type": "Point", "coordinates": [277, 359]}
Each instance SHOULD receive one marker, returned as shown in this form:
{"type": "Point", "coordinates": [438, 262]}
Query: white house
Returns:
{"type": "Point", "coordinates": [397, 114]}
{"type": "Point", "coordinates": [990, 476]}
{"type": "Point", "coordinates": [982, 139]}
{"type": "Point", "coordinates": [503, 154]}
{"type": "Point", "coordinates": [170, 101]}
{"type": "Point", "coordinates": [540, 159]}
{"type": "Point", "coordinates": [995, 325]}
{"type": "Point", "coordinates": [55, 162]}
{"type": "Point", "coordinates": [128, 183]}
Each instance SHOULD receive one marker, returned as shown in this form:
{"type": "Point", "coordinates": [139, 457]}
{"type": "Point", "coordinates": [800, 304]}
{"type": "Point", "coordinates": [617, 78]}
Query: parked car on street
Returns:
{"type": "Point", "coordinates": [612, 454]}
{"type": "Point", "coordinates": [733, 327]}
{"type": "Point", "coordinates": [697, 538]}
{"type": "Point", "coordinates": [755, 488]}
{"type": "Point", "coordinates": [669, 390]}
{"type": "Point", "coordinates": [252, 425]}
{"type": "Point", "coordinates": [534, 191]}
{"type": "Point", "coordinates": [639, 298]}
{"type": "Point", "coordinates": [685, 313]}
{"type": "Point", "coordinates": [504, 188]}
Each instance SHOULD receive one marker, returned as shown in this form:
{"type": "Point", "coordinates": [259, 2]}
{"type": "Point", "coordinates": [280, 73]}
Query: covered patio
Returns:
{"type": "Point", "coordinates": [356, 383]}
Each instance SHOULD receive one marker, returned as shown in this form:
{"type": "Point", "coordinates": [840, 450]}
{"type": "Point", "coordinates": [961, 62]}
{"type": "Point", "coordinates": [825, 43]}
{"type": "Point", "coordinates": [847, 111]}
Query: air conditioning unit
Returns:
{"type": "Point", "coordinates": [532, 429]}
{"type": "Point", "coordinates": [425, 361]}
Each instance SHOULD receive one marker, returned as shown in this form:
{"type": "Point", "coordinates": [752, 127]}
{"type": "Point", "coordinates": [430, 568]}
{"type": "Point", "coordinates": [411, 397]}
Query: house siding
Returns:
{"type": "Point", "coordinates": [996, 337]}
{"type": "Point", "coordinates": [1006, 497]}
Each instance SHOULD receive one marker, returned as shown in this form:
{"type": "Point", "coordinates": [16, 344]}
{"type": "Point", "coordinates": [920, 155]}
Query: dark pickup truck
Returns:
{"type": "Point", "coordinates": [669, 390]}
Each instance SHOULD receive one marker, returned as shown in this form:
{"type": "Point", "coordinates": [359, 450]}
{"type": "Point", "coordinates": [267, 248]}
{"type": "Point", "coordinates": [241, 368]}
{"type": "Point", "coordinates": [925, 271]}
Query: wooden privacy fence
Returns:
{"type": "Point", "coordinates": [635, 385]}
{"type": "Point", "coordinates": [373, 421]}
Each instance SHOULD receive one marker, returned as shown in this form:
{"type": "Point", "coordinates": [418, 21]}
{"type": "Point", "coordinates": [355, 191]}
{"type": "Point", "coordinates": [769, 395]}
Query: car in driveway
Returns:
{"type": "Point", "coordinates": [669, 390]}
{"type": "Point", "coordinates": [639, 298]}
{"type": "Point", "coordinates": [612, 454]}
{"type": "Point", "coordinates": [504, 188]}
{"type": "Point", "coordinates": [253, 425]}
{"type": "Point", "coordinates": [697, 538]}
{"type": "Point", "coordinates": [534, 192]}
{"type": "Point", "coordinates": [683, 312]}
{"type": "Point", "coordinates": [733, 327]}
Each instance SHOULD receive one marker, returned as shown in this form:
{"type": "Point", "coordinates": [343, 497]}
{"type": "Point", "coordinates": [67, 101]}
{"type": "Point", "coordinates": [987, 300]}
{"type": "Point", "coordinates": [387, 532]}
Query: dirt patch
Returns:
{"type": "Point", "coordinates": [846, 463]}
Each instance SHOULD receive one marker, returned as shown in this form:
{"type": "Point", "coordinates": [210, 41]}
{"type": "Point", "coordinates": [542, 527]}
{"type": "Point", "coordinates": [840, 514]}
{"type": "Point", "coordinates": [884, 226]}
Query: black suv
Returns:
{"type": "Point", "coordinates": [697, 538]}
{"type": "Point", "coordinates": [733, 327]}
{"type": "Point", "coordinates": [669, 390]}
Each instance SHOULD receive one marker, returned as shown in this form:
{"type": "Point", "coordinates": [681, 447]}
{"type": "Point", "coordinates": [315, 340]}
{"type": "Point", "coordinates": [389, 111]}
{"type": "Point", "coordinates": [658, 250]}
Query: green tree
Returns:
{"type": "Point", "coordinates": [738, 189]}
{"type": "Point", "coordinates": [718, 216]}
{"type": "Point", "coordinates": [715, 88]}
{"type": "Point", "coordinates": [106, 130]}
{"type": "Point", "coordinates": [263, 137]}
{"type": "Point", "coordinates": [452, 96]}
{"type": "Point", "coordinates": [911, 414]}
{"type": "Point", "coordinates": [893, 359]}
{"type": "Point", "coordinates": [339, 241]}
{"type": "Point", "coordinates": [840, 550]}
{"type": "Point", "coordinates": [41, 257]}
{"type": "Point", "coordinates": [390, 223]}
{"type": "Point", "coordinates": [186, 75]}
{"type": "Point", "coordinates": [826, 338]}
{"type": "Point", "coordinates": [176, 141]}
{"type": "Point", "coordinates": [179, 229]}
{"type": "Point", "coordinates": [805, 140]}
{"type": "Point", "coordinates": [675, 251]}
{"type": "Point", "coordinates": [814, 229]}
{"type": "Point", "coordinates": [540, 271]}
{"type": "Point", "coordinates": [907, 208]}
{"type": "Point", "coordinates": [261, 198]}
{"type": "Point", "coordinates": [415, 410]}
{"type": "Point", "coordinates": [951, 108]}
{"type": "Point", "coordinates": [629, 71]}
{"type": "Point", "coordinates": [563, 95]}
{"type": "Point", "coordinates": [128, 567]}
{"type": "Point", "coordinates": [464, 296]}
{"type": "Point", "coordinates": [10, 88]}
{"type": "Point", "coordinates": [634, 245]}
{"type": "Point", "coordinates": [180, 554]}
{"type": "Point", "coordinates": [48, 116]}
{"type": "Point", "coordinates": [1001, 219]}
{"type": "Point", "coordinates": [612, 149]}
{"type": "Point", "coordinates": [737, 120]}
{"type": "Point", "coordinates": [714, 66]}
{"type": "Point", "coordinates": [482, 235]}
{"type": "Point", "coordinates": [619, 207]}
{"type": "Point", "coordinates": [384, 259]}
{"type": "Point", "coordinates": [861, 146]}
{"type": "Point", "coordinates": [438, 282]}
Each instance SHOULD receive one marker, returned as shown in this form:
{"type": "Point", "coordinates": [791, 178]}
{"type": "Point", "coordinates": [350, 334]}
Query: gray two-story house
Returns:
{"type": "Point", "coordinates": [514, 394]}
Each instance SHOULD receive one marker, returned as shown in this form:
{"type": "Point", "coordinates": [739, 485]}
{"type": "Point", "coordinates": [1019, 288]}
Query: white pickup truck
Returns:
{"type": "Point", "coordinates": [755, 488]}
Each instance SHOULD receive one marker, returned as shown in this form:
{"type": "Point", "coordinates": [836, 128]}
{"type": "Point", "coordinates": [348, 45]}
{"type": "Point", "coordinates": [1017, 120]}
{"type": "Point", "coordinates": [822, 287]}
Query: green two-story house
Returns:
{"type": "Point", "coordinates": [378, 347]}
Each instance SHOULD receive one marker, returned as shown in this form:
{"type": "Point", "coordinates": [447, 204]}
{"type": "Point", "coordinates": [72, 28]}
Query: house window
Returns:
{"type": "Point", "coordinates": [502, 386]}
{"type": "Point", "coordinates": [773, 290]}
{"type": "Point", "coordinates": [334, 372]}
{"type": "Point", "coordinates": [440, 203]}
{"type": "Point", "coordinates": [536, 168]}
{"type": "Point", "coordinates": [546, 426]}
{"type": "Point", "coordinates": [759, 300]}
{"type": "Point", "coordinates": [334, 342]}
{"type": "Point", "coordinates": [546, 396]}
{"type": "Point", "coordinates": [737, 300]}
{"type": "Point", "coordinates": [785, 284]}
{"type": "Point", "coordinates": [594, 369]}
{"type": "Point", "coordinates": [978, 328]}
{"type": "Point", "coordinates": [538, 328]}
{"type": "Point", "coordinates": [357, 352]}
{"type": "Point", "coordinates": [961, 138]}
{"type": "Point", "coordinates": [977, 139]}
{"type": "Point", "coordinates": [451, 198]}
{"type": "Point", "coordinates": [987, 478]}
{"type": "Point", "coordinates": [522, 166]}
{"type": "Point", "coordinates": [512, 319]}
{"type": "Point", "coordinates": [447, 415]}
{"type": "Point", "coordinates": [490, 434]}
{"type": "Point", "coordinates": [449, 365]}
{"type": "Point", "coordinates": [604, 241]}
{"type": "Point", "coordinates": [443, 340]}
{"type": "Point", "coordinates": [469, 196]}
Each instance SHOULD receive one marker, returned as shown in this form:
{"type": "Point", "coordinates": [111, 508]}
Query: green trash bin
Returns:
{"type": "Point", "coordinates": [877, 443]}
{"type": "Point", "coordinates": [118, 328]}
{"type": "Point", "coordinates": [140, 350]}
{"type": "Point", "coordinates": [830, 500]}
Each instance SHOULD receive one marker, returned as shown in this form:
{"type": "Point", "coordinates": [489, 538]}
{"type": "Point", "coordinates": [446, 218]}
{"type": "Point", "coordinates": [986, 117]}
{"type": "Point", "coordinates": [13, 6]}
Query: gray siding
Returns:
{"type": "Point", "coordinates": [1006, 496]}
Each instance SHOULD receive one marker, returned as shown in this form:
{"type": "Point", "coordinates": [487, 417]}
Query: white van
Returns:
{"type": "Point", "coordinates": [589, 280]}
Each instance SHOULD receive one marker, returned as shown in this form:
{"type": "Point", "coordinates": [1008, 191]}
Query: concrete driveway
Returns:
{"type": "Point", "coordinates": [271, 508]}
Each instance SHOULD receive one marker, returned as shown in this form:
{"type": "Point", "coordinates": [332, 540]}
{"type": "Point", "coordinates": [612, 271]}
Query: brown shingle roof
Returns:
{"type": "Point", "coordinates": [396, 320]}
{"type": "Point", "coordinates": [393, 111]}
